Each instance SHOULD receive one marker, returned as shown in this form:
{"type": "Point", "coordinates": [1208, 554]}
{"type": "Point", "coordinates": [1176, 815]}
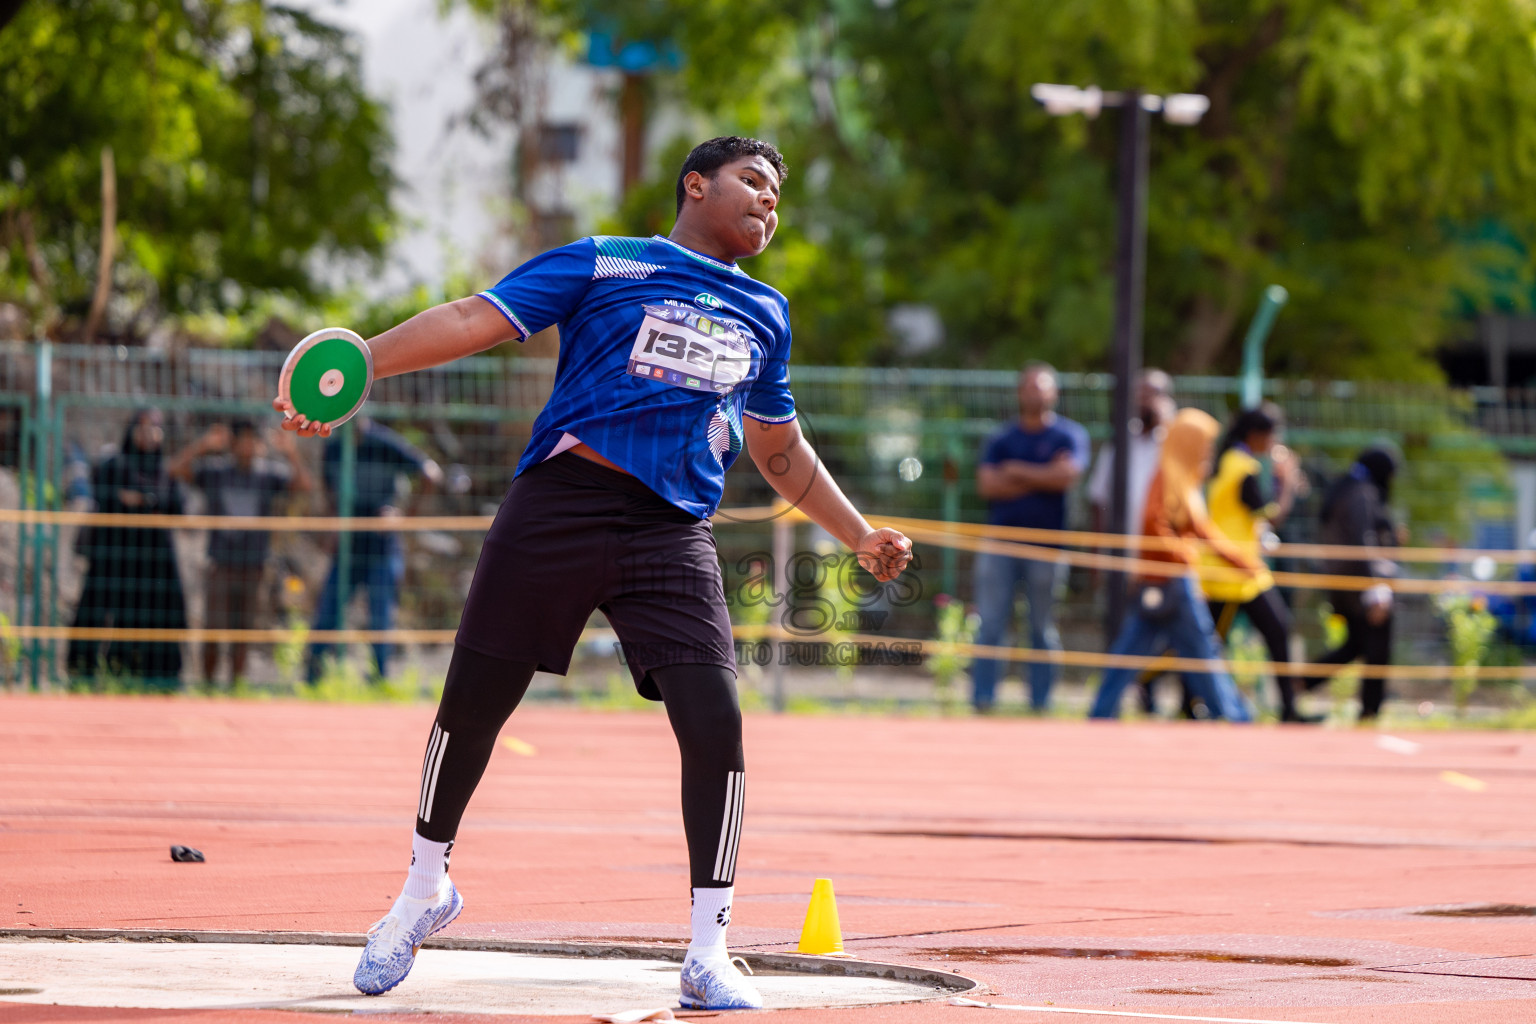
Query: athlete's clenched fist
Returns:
{"type": "Point", "coordinates": [884, 553]}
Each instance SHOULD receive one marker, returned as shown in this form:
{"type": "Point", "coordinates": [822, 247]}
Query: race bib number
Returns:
{"type": "Point", "coordinates": [682, 346]}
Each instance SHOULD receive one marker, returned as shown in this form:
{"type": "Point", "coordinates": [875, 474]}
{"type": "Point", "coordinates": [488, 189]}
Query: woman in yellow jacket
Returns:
{"type": "Point", "coordinates": [1243, 509]}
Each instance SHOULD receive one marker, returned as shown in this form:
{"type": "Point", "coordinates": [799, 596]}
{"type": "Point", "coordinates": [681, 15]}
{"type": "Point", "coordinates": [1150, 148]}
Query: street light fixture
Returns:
{"type": "Point", "coordinates": [1061, 100]}
{"type": "Point", "coordinates": [1185, 107]}
{"type": "Point", "coordinates": [1130, 265]}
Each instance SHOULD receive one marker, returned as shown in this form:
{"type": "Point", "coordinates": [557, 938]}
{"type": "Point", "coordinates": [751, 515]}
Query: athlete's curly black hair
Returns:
{"type": "Point", "coordinates": [709, 157]}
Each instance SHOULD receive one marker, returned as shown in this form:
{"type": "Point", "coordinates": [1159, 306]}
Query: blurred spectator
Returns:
{"type": "Point", "coordinates": [226, 464]}
{"type": "Point", "coordinates": [1168, 611]}
{"type": "Point", "coordinates": [78, 493]}
{"type": "Point", "coordinates": [132, 581]}
{"type": "Point", "coordinates": [14, 323]}
{"type": "Point", "coordinates": [1024, 475]}
{"type": "Point", "coordinates": [1243, 508]}
{"type": "Point", "coordinates": [1517, 614]}
{"type": "Point", "coordinates": [1154, 409]}
{"type": "Point", "coordinates": [377, 559]}
{"type": "Point", "coordinates": [1355, 513]}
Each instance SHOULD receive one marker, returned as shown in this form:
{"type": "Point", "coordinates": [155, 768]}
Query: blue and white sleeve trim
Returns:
{"type": "Point", "coordinates": [506, 311]}
{"type": "Point", "coordinates": [766, 418]}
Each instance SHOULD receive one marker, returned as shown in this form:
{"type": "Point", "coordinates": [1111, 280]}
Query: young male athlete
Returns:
{"type": "Point", "coordinates": [671, 360]}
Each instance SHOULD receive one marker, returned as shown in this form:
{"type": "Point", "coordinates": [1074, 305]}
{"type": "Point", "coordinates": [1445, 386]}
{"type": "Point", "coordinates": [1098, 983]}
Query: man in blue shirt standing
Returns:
{"type": "Point", "coordinates": [1025, 473]}
{"type": "Point", "coordinates": [673, 360]}
{"type": "Point", "coordinates": [377, 559]}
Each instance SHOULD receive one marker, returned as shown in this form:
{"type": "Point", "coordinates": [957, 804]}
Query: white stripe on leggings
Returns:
{"type": "Point", "coordinates": [426, 768]}
{"type": "Point", "coordinates": [730, 826]}
{"type": "Point", "coordinates": [429, 785]}
{"type": "Point", "coordinates": [730, 858]}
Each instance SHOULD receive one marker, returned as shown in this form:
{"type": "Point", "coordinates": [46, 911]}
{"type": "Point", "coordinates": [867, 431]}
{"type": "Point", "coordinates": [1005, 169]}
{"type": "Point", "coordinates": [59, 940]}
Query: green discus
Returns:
{"type": "Point", "coordinates": [327, 376]}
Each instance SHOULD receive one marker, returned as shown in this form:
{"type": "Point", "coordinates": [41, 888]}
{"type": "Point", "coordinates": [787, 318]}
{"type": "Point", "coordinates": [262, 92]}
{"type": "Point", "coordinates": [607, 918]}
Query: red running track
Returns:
{"type": "Point", "coordinates": [1167, 868]}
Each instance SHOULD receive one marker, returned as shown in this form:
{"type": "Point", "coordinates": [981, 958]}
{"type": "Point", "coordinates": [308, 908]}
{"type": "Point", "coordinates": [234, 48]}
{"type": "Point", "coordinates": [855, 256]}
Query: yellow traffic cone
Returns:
{"type": "Point", "coordinates": [823, 933]}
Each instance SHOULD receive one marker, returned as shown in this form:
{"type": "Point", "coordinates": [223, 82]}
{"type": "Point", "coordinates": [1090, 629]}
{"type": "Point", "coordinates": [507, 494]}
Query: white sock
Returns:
{"type": "Point", "coordinates": [429, 866]}
{"type": "Point", "coordinates": [711, 915]}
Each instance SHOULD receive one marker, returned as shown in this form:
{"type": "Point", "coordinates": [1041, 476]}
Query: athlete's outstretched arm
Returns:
{"type": "Point", "coordinates": [791, 465]}
{"type": "Point", "coordinates": [430, 338]}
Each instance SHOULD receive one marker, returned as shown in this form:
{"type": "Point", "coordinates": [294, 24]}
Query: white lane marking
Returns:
{"type": "Point", "coordinates": [962, 1001]}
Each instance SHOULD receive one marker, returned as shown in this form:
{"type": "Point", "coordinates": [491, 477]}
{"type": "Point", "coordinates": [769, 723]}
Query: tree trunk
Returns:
{"type": "Point", "coordinates": [632, 128]}
{"type": "Point", "coordinates": [35, 262]}
{"type": "Point", "coordinates": [1205, 335]}
{"type": "Point", "coordinates": [108, 247]}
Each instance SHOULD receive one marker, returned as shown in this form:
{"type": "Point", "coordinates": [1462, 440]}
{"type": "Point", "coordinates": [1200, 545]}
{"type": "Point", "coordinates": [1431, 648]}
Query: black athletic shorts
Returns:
{"type": "Point", "coordinates": [571, 537]}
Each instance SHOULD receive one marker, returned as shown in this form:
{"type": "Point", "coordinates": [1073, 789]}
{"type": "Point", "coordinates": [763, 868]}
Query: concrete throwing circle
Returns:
{"type": "Point", "coordinates": [169, 974]}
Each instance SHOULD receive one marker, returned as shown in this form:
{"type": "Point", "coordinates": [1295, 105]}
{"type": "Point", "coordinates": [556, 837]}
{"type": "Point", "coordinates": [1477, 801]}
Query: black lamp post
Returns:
{"type": "Point", "coordinates": [1130, 270]}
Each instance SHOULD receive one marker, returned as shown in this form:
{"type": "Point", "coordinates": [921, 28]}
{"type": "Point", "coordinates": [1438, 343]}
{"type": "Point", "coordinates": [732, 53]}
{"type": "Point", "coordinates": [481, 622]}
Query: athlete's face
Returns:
{"type": "Point", "coordinates": [739, 204]}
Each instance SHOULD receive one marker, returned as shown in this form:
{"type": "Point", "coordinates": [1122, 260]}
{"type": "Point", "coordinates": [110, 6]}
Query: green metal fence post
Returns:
{"type": "Point", "coordinates": [55, 533]}
{"type": "Point", "coordinates": [783, 551]}
{"type": "Point", "coordinates": [23, 445]}
{"type": "Point", "coordinates": [39, 493]}
{"type": "Point", "coordinates": [951, 499]}
{"type": "Point", "coordinates": [1253, 345]}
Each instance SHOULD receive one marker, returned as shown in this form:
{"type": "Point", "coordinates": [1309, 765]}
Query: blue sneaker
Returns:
{"type": "Point", "coordinates": [393, 942]}
{"type": "Point", "coordinates": [715, 984]}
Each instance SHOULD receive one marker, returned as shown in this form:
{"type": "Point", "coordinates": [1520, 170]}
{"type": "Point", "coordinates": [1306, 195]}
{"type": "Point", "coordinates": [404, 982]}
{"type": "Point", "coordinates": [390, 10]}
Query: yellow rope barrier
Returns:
{"type": "Point", "coordinates": [1346, 552]}
{"type": "Point", "coordinates": [108, 634]}
{"type": "Point", "coordinates": [1055, 546]}
{"type": "Point", "coordinates": [922, 648]}
{"type": "Point", "coordinates": [1168, 663]}
{"type": "Point", "coordinates": [1020, 542]}
{"type": "Point", "coordinates": [763, 514]}
{"type": "Point", "coordinates": [966, 536]}
{"type": "Point", "coordinates": [1320, 581]}
{"type": "Point", "coordinates": [274, 524]}
{"type": "Point", "coordinates": [757, 515]}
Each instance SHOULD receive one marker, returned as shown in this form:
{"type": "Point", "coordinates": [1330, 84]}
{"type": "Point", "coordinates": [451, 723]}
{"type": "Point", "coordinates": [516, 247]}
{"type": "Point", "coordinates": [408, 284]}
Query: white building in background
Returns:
{"type": "Point", "coordinates": [458, 203]}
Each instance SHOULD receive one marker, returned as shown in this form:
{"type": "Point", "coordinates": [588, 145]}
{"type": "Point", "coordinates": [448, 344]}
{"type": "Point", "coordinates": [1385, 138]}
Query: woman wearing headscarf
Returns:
{"type": "Point", "coordinates": [1169, 612]}
{"type": "Point", "coordinates": [1355, 513]}
{"type": "Point", "coordinates": [1242, 507]}
{"type": "Point", "coordinates": [132, 581]}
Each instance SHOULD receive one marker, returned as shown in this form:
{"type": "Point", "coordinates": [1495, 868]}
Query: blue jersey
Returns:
{"type": "Point", "coordinates": [662, 352]}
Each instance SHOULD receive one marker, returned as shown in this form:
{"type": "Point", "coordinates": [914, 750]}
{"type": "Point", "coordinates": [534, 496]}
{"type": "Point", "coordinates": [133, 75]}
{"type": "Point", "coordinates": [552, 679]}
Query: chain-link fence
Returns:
{"type": "Point", "coordinates": [901, 442]}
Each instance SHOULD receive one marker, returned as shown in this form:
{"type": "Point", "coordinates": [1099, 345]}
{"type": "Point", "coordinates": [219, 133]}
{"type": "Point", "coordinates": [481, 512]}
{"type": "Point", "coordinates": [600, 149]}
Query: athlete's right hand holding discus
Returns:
{"type": "Point", "coordinates": [439, 335]}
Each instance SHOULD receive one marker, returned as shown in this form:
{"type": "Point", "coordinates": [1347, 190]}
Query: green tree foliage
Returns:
{"type": "Point", "coordinates": [1346, 147]}
{"type": "Point", "coordinates": [8, 9]}
{"type": "Point", "coordinates": [249, 158]}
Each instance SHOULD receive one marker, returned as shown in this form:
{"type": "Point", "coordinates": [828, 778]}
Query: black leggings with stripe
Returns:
{"type": "Point", "coordinates": [482, 691]}
{"type": "Point", "coordinates": [1272, 618]}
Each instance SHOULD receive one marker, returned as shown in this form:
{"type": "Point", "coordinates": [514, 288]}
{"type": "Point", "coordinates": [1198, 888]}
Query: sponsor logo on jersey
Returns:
{"type": "Point", "coordinates": [723, 434]}
{"type": "Point", "coordinates": [707, 300]}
